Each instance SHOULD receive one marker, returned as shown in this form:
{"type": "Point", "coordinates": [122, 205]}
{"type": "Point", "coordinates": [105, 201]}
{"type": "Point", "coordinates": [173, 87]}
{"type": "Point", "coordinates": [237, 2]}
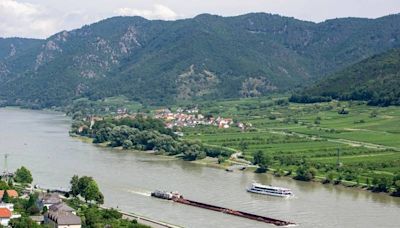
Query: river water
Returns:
{"type": "Point", "coordinates": [39, 140]}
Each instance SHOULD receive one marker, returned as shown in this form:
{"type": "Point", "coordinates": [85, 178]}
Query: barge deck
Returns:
{"type": "Point", "coordinates": [179, 199]}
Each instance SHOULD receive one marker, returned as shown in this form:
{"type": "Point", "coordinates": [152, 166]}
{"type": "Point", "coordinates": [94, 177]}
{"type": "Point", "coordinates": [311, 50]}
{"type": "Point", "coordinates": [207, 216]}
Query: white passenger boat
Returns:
{"type": "Point", "coordinates": [270, 190]}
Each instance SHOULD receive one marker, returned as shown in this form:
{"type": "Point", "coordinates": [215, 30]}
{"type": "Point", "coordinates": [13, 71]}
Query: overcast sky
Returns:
{"type": "Point", "coordinates": [42, 18]}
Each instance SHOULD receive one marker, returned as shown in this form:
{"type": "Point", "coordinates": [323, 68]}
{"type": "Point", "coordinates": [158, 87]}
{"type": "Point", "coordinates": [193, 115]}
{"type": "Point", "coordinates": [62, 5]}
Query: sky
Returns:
{"type": "Point", "coordinates": [42, 18]}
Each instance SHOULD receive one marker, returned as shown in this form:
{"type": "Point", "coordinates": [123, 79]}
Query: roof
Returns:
{"type": "Point", "coordinates": [63, 218]}
{"type": "Point", "coordinates": [52, 198]}
{"type": "Point", "coordinates": [61, 207]}
{"type": "Point", "coordinates": [5, 213]}
{"type": "Point", "coordinates": [11, 193]}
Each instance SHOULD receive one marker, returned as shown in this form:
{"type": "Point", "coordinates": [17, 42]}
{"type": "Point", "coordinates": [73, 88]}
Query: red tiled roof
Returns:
{"type": "Point", "coordinates": [11, 193]}
{"type": "Point", "coordinates": [5, 213]}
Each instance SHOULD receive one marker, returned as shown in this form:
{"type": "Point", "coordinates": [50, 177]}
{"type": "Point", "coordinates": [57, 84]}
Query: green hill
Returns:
{"type": "Point", "coordinates": [375, 79]}
{"type": "Point", "coordinates": [206, 57]}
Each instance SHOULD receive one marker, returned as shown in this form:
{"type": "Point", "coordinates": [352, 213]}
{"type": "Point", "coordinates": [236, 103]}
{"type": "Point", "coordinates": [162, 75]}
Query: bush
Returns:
{"type": "Point", "coordinates": [305, 173]}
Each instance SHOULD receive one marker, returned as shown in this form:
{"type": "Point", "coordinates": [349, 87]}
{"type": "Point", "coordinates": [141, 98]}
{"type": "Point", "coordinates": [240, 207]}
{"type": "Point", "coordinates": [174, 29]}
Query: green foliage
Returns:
{"type": "Point", "coordinates": [381, 183]}
{"type": "Point", "coordinates": [94, 216]}
{"type": "Point", "coordinates": [305, 173]}
{"type": "Point", "coordinates": [145, 133]}
{"type": "Point", "coordinates": [330, 176]}
{"type": "Point", "coordinates": [374, 80]}
{"type": "Point", "coordinates": [87, 188]}
{"type": "Point", "coordinates": [23, 222]}
{"type": "Point", "coordinates": [263, 160]}
{"type": "Point", "coordinates": [75, 190]}
{"type": "Point", "coordinates": [6, 197]}
{"type": "Point", "coordinates": [23, 175]}
{"type": "Point", "coordinates": [4, 185]}
{"type": "Point", "coordinates": [205, 57]}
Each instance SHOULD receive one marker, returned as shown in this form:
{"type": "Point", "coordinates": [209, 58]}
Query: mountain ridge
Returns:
{"type": "Point", "coordinates": [375, 80]}
{"type": "Point", "coordinates": [148, 60]}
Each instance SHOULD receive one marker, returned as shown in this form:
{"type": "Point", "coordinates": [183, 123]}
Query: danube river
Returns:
{"type": "Point", "coordinates": [39, 140]}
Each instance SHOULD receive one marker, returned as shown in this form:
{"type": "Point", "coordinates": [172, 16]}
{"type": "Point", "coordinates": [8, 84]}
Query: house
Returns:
{"type": "Point", "coordinates": [9, 206]}
{"type": "Point", "coordinates": [62, 219]}
{"type": "Point", "coordinates": [11, 193]}
{"type": "Point", "coordinates": [5, 216]}
{"type": "Point", "coordinates": [60, 215]}
{"type": "Point", "coordinates": [62, 207]}
{"type": "Point", "coordinates": [49, 199]}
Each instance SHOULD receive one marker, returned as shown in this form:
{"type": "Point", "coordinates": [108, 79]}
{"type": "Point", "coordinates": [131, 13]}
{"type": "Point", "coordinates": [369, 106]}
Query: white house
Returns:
{"type": "Point", "coordinates": [5, 216]}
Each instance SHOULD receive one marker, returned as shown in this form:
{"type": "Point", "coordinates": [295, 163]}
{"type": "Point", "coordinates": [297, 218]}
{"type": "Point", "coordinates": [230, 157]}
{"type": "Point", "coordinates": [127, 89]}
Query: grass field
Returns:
{"type": "Point", "coordinates": [368, 138]}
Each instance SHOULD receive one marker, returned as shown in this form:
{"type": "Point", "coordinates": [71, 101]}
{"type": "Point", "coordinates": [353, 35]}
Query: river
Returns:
{"type": "Point", "coordinates": [39, 140]}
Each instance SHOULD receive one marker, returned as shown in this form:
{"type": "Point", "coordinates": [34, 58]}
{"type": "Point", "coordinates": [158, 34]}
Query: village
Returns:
{"type": "Point", "coordinates": [182, 117]}
{"type": "Point", "coordinates": [45, 207]}
{"type": "Point", "coordinates": [190, 118]}
{"type": "Point", "coordinates": [23, 204]}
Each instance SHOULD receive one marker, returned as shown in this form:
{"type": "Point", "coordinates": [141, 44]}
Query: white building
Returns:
{"type": "Point", "coordinates": [5, 216]}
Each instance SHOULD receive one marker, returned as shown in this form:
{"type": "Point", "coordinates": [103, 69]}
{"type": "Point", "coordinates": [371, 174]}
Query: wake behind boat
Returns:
{"type": "Point", "coordinates": [270, 190]}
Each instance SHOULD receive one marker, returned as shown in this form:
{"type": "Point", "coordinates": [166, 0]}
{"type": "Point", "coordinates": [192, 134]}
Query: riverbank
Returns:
{"type": "Point", "coordinates": [229, 166]}
{"type": "Point", "coordinates": [77, 203]}
{"type": "Point", "coordinates": [40, 140]}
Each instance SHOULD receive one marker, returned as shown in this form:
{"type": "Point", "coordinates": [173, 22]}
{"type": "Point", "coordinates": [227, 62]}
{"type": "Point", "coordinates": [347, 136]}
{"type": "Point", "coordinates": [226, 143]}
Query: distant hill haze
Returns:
{"type": "Point", "coordinates": [206, 57]}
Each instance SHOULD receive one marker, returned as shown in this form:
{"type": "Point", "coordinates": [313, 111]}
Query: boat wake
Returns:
{"type": "Point", "coordinates": [139, 192]}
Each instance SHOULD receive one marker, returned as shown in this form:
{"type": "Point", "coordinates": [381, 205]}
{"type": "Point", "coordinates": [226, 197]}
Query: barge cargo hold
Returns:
{"type": "Point", "coordinates": [176, 197]}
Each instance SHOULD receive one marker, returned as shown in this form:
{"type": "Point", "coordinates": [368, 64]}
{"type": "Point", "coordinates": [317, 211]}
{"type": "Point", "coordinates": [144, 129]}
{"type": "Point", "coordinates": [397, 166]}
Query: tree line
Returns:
{"type": "Point", "coordinates": [145, 133]}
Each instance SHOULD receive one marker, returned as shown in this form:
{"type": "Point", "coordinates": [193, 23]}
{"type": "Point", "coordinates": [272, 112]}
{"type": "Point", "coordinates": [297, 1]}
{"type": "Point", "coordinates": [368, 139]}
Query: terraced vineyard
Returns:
{"type": "Point", "coordinates": [368, 138]}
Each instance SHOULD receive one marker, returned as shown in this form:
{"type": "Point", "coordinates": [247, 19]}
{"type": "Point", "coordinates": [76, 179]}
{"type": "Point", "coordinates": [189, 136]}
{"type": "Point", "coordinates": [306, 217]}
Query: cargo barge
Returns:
{"type": "Point", "coordinates": [176, 197]}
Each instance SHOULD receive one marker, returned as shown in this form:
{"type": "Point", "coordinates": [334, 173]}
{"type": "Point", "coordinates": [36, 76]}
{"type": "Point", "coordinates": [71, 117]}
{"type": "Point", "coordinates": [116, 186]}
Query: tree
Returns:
{"type": "Point", "coordinates": [87, 188]}
{"type": "Point", "coordinates": [6, 197]}
{"type": "Point", "coordinates": [23, 222]}
{"type": "Point", "coordinates": [4, 185]}
{"type": "Point", "coordinates": [92, 193]}
{"type": "Point", "coordinates": [304, 173]}
{"type": "Point", "coordinates": [75, 185]}
{"type": "Point", "coordinates": [397, 186]}
{"type": "Point", "coordinates": [83, 183]}
{"type": "Point", "coordinates": [23, 175]}
{"type": "Point", "coordinates": [381, 183]}
{"type": "Point", "coordinates": [263, 160]}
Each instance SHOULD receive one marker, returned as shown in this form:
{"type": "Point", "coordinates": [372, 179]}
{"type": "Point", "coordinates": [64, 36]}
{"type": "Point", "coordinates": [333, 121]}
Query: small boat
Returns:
{"type": "Point", "coordinates": [270, 190]}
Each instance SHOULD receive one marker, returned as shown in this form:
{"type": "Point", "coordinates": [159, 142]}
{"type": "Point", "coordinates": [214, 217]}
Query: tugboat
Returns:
{"type": "Point", "coordinates": [166, 195]}
{"type": "Point", "coordinates": [270, 190]}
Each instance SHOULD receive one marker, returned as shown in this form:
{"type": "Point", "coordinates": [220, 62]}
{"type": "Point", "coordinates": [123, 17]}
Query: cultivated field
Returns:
{"type": "Point", "coordinates": [367, 138]}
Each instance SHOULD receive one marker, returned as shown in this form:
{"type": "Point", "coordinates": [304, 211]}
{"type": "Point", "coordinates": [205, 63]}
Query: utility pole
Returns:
{"type": "Point", "coordinates": [338, 157]}
{"type": "Point", "coordinates": [5, 171]}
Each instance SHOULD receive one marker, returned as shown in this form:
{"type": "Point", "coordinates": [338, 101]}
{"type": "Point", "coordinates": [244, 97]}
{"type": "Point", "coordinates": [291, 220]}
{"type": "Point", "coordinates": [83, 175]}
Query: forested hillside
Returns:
{"type": "Point", "coordinates": [376, 80]}
{"type": "Point", "coordinates": [206, 57]}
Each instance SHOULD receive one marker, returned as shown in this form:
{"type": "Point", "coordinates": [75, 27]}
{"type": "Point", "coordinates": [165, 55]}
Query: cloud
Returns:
{"type": "Point", "coordinates": [24, 19]}
{"type": "Point", "coordinates": [158, 12]}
